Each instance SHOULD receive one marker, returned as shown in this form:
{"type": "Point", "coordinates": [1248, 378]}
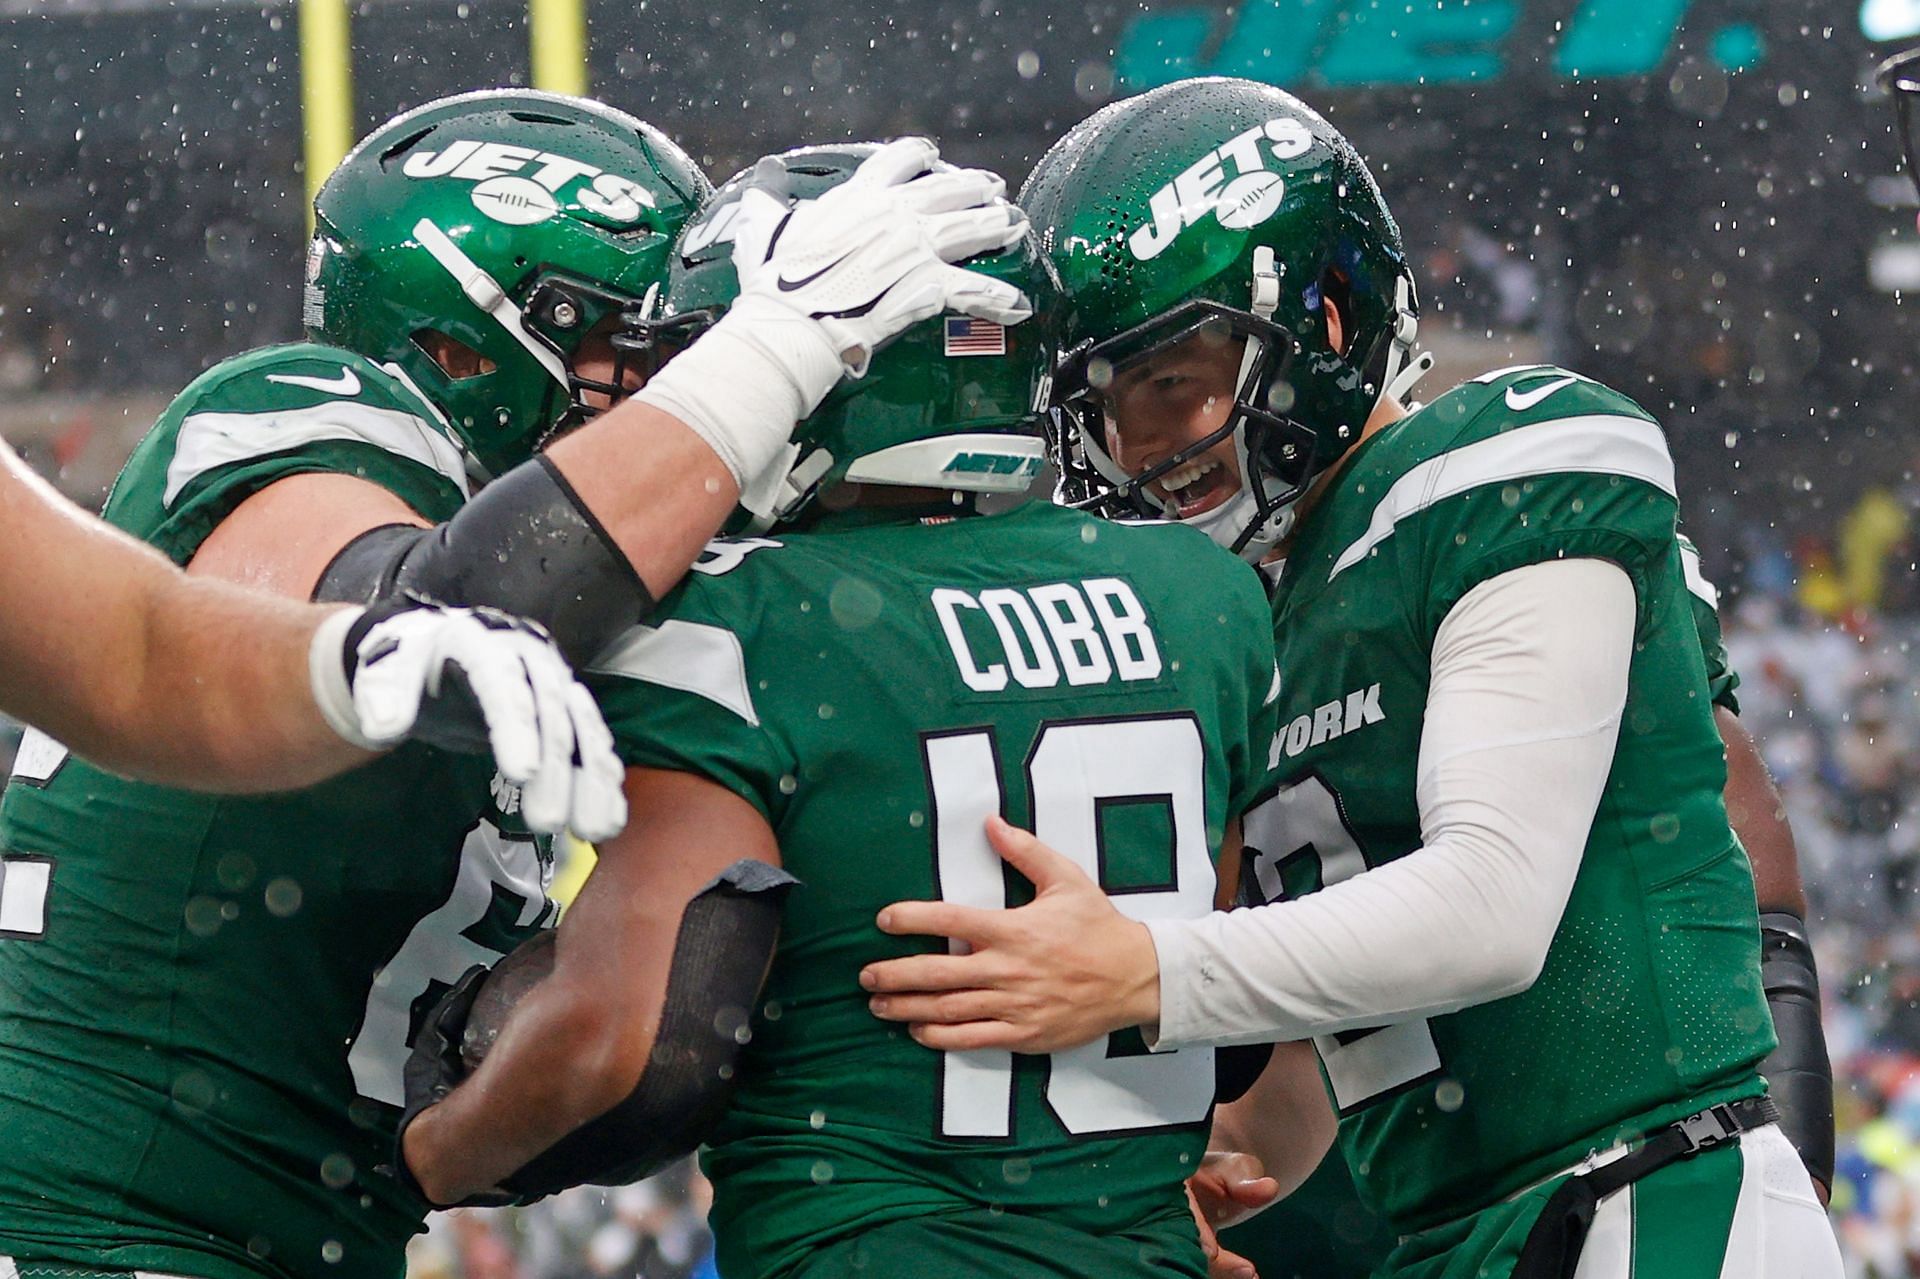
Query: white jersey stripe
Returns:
{"type": "Point", "coordinates": [1697, 582]}
{"type": "Point", "coordinates": [210, 440]}
{"type": "Point", "coordinates": [1599, 443]}
{"type": "Point", "coordinates": [690, 656]}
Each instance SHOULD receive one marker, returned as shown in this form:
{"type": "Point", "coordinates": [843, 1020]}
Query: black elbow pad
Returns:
{"type": "Point", "coordinates": [1236, 1068]}
{"type": "Point", "coordinates": [721, 955]}
{"type": "Point", "coordinates": [1798, 1073]}
{"type": "Point", "coordinates": [525, 545]}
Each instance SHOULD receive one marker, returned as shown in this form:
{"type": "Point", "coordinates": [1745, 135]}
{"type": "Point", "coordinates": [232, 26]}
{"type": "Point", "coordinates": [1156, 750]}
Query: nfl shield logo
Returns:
{"type": "Point", "coordinates": [968, 336]}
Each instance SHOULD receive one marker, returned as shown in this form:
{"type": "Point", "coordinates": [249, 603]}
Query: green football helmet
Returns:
{"type": "Point", "coordinates": [952, 403]}
{"type": "Point", "coordinates": [1224, 205]}
{"type": "Point", "coordinates": [514, 223]}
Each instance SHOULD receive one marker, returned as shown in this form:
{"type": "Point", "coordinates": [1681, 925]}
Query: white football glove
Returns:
{"type": "Point", "coordinates": [825, 281]}
{"type": "Point", "coordinates": [476, 681]}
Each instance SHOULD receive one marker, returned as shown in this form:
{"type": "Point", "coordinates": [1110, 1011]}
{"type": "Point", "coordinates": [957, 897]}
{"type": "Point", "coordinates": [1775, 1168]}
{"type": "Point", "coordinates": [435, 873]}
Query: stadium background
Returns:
{"type": "Point", "coordinates": [1697, 201]}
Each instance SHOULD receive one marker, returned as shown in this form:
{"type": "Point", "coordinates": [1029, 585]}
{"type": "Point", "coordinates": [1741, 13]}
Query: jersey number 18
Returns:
{"type": "Point", "coordinates": [1075, 770]}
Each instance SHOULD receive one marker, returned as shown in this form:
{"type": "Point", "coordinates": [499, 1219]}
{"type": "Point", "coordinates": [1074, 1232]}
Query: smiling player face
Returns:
{"type": "Point", "coordinates": [1168, 402]}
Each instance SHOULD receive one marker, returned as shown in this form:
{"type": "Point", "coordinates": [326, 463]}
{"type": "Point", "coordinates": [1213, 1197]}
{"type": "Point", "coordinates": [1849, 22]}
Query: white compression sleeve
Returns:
{"type": "Point", "coordinates": [1529, 679]}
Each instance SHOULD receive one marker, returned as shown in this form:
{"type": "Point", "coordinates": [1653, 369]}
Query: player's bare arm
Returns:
{"type": "Point", "coordinates": [232, 690]}
{"type": "Point", "coordinates": [580, 1042]}
{"type": "Point", "coordinates": [1284, 1121]}
{"type": "Point", "coordinates": [184, 702]}
{"type": "Point", "coordinates": [1799, 1072]}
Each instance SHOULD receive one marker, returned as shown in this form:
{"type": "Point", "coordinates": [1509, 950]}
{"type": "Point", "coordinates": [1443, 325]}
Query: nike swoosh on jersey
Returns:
{"type": "Point", "coordinates": [1520, 401]}
{"type": "Point", "coordinates": [348, 383]}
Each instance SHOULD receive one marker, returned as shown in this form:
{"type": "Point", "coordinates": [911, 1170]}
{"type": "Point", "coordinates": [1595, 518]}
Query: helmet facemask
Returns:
{"type": "Point", "coordinates": [1279, 455]}
{"type": "Point", "coordinates": [564, 312]}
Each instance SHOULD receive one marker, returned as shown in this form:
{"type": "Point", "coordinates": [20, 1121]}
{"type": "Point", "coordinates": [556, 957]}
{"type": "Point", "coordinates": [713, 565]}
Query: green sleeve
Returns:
{"type": "Point", "coordinates": [1722, 679]}
{"type": "Point", "coordinates": [1588, 478]}
{"type": "Point", "coordinates": [679, 694]}
{"type": "Point", "coordinates": [266, 416]}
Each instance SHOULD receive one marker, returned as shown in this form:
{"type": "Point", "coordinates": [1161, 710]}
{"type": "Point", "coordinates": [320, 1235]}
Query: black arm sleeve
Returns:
{"type": "Point", "coordinates": [526, 545]}
{"type": "Point", "coordinates": [720, 958]}
{"type": "Point", "coordinates": [1798, 1073]}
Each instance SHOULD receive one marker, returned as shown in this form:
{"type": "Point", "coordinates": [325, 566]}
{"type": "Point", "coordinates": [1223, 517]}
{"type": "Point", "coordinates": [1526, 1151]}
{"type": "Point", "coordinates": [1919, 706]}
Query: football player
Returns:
{"type": "Point", "coordinates": [205, 1005]}
{"type": "Point", "coordinates": [133, 664]}
{"type": "Point", "coordinates": [1507, 901]}
{"type": "Point", "coordinates": [858, 695]}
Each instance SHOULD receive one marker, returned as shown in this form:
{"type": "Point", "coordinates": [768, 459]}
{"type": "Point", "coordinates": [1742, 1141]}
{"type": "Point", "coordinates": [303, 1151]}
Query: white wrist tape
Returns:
{"type": "Point", "coordinates": [327, 674]}
{"type": "Point", "coordinates": [748, 381]}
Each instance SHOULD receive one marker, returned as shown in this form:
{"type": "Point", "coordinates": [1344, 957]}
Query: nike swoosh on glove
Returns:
{"type": "Point", "coordinates": [875, 254]}
{"type": "Point", "coordinates": [476, 681]}
{"type": "Point", "coordinates": [824, 282]}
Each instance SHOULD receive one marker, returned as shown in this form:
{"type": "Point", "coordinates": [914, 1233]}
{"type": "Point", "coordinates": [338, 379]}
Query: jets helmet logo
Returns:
{"type": "Point", "coordinates": [521, 186]}
{"type": "Point", "coordinates": [1246, 199]}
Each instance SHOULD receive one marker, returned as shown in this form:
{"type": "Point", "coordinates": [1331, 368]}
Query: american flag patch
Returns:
{"type": "Point", "coordinates": [968, 336]}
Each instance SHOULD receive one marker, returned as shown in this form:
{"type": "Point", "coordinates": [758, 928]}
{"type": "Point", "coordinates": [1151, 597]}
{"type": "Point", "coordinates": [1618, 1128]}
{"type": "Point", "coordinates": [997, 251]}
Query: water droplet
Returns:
{"type": "Point", "coordinates": [203, 916]}
{"type": "Point", "coordinates": [260, 1246]}
{"type": "Point", "coordinates": [788, 783]}
{"type": "Point", "coordinates": [1016, 1171]}
{"type": "Point", "coordinates": [1449, 1096]}
{"type": "Point", "coordinates": [854, 603]}
{"type": "Point", "coordinates": [336, 1171]}
{"type": "Point", "coordinates": [916, 819]}
{"type": "Point", "coordinates": [331, 1252]}
{"type": "Point", "coordinates": [826, 711]}
{"type": "Point", "coordinates": [193, 1090]}
{"type": "Point", "coordinates": [817, 1120]}
{"type": "Point", "coordinates": [283, 897]}
{"type": "Point", "coordinates": [1665, 827]}
{"type": "Point", "coordinates": [1027, 64]}
{"type": "Point", "coordinates": [235, 871]}
{"type": "Point", "coordinates": [822, 1172]}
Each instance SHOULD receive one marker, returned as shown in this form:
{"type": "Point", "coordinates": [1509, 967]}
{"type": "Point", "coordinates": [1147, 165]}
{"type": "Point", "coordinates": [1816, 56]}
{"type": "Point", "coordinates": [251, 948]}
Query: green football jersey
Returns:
{"type": "Point", "coordinates": [877, 687]}
{"type": "Point", "coordinates": [1650, 1004]}
{"type": "Point", "coordinates": [205, 1003]}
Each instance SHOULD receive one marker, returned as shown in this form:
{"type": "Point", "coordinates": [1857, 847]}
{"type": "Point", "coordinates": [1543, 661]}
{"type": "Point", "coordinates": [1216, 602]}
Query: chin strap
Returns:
{"type": "Point", "coordinates": [1403, 369]}
{"type": "Point", "coordinates": [485, 292]}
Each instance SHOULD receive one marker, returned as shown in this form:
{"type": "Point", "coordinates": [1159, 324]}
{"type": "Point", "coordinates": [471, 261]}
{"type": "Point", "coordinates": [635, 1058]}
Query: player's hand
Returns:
{"type": "Point", "coordinates": [873, 255]}
{"type": "Point", "coordinates": [480, 681]}
{"type": "Point", "coordinates": [1054, 974]}
{"type": "Point", "coordinates": [1229, 1188]}
{"type": "Point", "coordinates": [434, 1068]}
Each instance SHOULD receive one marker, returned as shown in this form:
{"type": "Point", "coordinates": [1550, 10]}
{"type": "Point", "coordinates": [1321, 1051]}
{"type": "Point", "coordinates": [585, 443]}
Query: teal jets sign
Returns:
{"type": "Point", "coordinates": [1355, 42]}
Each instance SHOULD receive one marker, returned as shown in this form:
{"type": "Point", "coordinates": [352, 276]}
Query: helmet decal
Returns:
{"type": "Point", "coordinates": [1246, 199]}
{"type": "Point", "coordinates": [525, 180]}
